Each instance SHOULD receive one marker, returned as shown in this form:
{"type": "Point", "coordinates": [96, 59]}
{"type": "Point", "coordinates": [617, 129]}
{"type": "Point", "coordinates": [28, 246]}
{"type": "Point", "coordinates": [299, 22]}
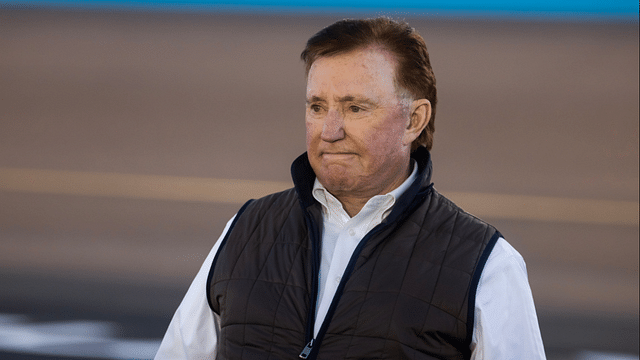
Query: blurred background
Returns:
{"type": "Point", "coordinates": [131, 132]}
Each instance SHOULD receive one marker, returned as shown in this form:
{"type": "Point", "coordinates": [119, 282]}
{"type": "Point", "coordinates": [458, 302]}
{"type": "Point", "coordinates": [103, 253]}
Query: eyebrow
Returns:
{"type": "Point", "coordinates": [313, 99]}
{"type": "Point", "coordinates": [343, 99]}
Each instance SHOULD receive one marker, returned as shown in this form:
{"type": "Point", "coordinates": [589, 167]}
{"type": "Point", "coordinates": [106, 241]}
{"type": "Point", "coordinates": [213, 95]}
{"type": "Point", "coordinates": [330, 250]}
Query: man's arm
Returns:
{"type": "Point", "coordinates": [193, 331]}
{"type": "Point", "coordinates": [506, 325]}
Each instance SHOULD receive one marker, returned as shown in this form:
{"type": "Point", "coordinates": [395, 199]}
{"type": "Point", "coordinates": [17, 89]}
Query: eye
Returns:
{"type": "Point", "coordinates": [315, 108]}
{"type": "Point", "coordinates": [354, 108]}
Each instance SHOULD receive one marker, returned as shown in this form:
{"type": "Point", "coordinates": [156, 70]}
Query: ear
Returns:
{"type": "Point", "coordinates": [419, 118]}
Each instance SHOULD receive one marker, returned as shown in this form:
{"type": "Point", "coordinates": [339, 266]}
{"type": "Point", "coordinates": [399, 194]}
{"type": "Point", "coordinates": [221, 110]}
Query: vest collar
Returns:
{"type": "Point", "coordinates": [304, 177]}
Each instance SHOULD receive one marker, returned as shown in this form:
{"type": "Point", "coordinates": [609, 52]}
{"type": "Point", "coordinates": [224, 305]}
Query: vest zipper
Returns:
{"type": "Point", "coordinates": [313, 229]}
{"type": "Point", "coordinates": [307, 350]}
{"type": "Point", "coordinates": [334, 302]}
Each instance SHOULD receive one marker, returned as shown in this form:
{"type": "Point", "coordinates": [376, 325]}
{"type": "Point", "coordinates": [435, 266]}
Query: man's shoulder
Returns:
{"type": "Point", "coordinates": [276, 202]}
{"type": "Point", "coordinates": [281, 197]}
{"type": "Point", "coordinates": [448, 211]}
{"type": "Point", "coordinates": [446, 204]}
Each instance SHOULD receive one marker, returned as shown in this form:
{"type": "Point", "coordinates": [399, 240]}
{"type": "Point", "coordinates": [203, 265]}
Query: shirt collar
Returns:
{"type": "Point", "coordinates": [332, 205]}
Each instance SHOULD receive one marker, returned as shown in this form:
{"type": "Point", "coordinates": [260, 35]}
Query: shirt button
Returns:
{"type": "Point", "coordinates": [338, 278]}
{"type": "Point", "coordinates": [351, 232]}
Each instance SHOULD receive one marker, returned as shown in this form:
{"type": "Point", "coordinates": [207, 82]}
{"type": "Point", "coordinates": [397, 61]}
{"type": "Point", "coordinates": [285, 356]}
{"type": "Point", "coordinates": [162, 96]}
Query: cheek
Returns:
{"type": "Point", "coordinates": [311, 132]}
{"type": "Point", "coordinates": [383, 144]}
{"type": "Point", "coordinates": [381, 141]}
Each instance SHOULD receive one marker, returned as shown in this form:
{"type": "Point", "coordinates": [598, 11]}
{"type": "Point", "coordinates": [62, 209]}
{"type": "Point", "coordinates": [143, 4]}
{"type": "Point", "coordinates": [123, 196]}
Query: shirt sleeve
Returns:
{"type": "Point", "coordinates": [194, 328]}
{"type": "Point", "coordinates": [506, 325]}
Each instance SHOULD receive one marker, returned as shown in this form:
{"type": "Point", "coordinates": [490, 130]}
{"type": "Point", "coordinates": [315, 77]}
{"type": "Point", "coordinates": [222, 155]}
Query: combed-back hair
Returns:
{"type": "Point", "coordinates": [413, 73]}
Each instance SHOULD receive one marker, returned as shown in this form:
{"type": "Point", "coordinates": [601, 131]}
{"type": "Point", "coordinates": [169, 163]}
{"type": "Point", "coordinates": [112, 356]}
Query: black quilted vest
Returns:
{"type": "Point", "coordinates": [407, 293]}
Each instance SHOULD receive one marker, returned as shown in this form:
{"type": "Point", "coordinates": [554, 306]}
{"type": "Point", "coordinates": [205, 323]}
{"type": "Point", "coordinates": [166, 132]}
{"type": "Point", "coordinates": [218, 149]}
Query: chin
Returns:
{"type": "Point", "coordinates": [336, 177]}
{"type": "Point", "coordinates": [337, 183]}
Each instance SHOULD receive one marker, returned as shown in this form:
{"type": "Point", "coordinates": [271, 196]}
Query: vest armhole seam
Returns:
{"type": "Point", "coordinates": [215, 259]}
{"type": "Point", "coordinates": [475, 282]}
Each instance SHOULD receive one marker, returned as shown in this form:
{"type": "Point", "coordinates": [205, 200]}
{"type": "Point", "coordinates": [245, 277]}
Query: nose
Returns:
{"type": "Point", "coordinates": [333, 127]}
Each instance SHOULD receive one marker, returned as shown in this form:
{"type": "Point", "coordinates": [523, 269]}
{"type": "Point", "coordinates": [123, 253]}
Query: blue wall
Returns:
{"type": "Point", "coordinates": [590, 10]}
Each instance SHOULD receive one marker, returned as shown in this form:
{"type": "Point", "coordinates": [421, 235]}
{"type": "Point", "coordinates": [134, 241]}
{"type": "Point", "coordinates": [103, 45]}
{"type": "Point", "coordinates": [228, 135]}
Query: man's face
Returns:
{"type": "Point", "coordinates": [356, 123]}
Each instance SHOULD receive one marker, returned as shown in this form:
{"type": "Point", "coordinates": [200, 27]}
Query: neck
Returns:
{"type": "Point", "coordinates": [353, 205]}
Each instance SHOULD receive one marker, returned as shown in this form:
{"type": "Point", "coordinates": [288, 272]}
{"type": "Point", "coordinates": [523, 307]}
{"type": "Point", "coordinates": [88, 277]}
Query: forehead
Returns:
{"type": "Point", "coordinates": [369, 70]}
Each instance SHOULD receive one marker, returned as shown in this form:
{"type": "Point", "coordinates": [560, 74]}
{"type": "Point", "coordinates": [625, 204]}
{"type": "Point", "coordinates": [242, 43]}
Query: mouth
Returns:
{"type": "Point", "coordinates": [336, 155]}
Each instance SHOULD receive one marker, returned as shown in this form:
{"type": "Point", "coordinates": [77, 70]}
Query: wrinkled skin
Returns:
{"type": "Point", "coordinates": [359, 127]}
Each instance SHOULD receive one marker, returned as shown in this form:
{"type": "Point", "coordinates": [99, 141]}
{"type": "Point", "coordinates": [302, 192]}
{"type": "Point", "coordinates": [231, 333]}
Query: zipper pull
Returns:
{"type": "Point", "coordinates": [307, 350]}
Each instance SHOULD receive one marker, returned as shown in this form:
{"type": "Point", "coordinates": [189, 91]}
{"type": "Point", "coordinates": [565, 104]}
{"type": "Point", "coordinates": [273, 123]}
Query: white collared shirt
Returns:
{"type": "Point", "coordinates": [505, 326]}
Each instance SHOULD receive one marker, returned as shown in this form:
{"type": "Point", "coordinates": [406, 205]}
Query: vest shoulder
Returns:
{"type": "Point", "coordinates": [272, 211]}
{"type": "Point", "coordinates": [280, 199]}
{"type": "Point", "coordinates": [448, 208]}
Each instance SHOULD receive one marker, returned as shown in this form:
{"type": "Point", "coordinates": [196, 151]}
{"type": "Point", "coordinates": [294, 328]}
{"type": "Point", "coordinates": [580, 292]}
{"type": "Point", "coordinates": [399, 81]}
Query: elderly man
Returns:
{"type": "Point", "coordinates": [363, 258]}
